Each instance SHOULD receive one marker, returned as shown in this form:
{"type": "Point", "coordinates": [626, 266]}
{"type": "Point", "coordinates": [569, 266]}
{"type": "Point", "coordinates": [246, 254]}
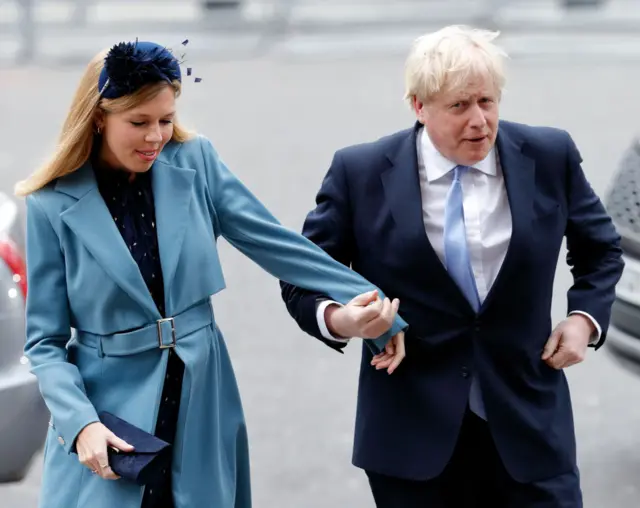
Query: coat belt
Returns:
{"type": "Point", "coordinates": [163, 334]}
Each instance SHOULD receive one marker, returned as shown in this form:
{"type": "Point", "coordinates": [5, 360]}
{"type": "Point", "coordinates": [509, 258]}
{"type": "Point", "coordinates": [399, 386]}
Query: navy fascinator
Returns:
{"type": "Point", "coordinates": [131, 65]}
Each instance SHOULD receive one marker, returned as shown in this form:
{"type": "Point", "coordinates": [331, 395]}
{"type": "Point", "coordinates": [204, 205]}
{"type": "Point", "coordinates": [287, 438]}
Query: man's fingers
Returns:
{"type": "Point", "coordinates": [565, 357]}
{"type": "Point", "coordinates": [552, 344]}
{"type": "Point", "coordinates": [378, 316]}
{"type": "Point", "coordinates": [375, 311]}
{"type": "Point", "coordinates": [365, 298]}
{"type": "Point", "coordinates": [385, 308]}
{"type": "Point", "coordinates": [374, 308]}
{"type": "Point", "coordinates": [377, 324]}
{"type": "Point", "coordinates": [558, 360]}
{"type": "Point", "coordinates": [386, 312]}
{"type": "Point", "coordinates": [389, 311]}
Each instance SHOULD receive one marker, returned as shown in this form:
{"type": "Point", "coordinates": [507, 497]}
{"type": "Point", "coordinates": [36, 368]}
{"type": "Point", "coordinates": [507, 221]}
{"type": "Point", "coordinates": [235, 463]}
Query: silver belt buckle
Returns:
{"type": "Point", "coordinates": [161, 343]}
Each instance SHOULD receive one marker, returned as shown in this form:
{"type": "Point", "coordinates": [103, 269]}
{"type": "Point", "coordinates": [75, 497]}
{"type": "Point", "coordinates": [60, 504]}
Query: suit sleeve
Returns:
{"type": "Point", "coordinates": [593, 245]}
{"type": "Point", "coordinates": [48, 330]}
{"type": "Point", "coordinates": [288, 256]}
{"type": "Point", "coordinates": [329, 227]}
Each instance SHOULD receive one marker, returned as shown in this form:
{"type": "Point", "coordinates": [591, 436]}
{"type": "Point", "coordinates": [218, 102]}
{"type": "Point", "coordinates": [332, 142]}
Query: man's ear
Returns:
{"type": "Point", "coordinates": [419, 109]}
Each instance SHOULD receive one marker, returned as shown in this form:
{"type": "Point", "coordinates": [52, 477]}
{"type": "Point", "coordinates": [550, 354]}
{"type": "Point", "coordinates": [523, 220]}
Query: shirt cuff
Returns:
{"type": "Point", "coordinates": [595, 337]}
{"type": "Point", "coordinates": [322, 325]}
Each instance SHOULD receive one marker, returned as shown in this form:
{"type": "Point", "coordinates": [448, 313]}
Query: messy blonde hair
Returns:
{"type": "Point", "coordinates": [76, 139]}
{"type": "Point", "coordinates": [445, 60]}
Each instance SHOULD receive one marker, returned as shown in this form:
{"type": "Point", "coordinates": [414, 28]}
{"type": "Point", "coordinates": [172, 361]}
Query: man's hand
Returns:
{"type": "Point", "coordinates": [366, 316]}
{"type": "Point", "coordinates": [568, 343]}
{"type": "Point", "coordinates": [392, 355]}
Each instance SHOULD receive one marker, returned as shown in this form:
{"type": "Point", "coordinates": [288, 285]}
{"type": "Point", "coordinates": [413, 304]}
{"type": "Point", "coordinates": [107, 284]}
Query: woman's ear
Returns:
{"type": "Point", "coordinates": [98, 121]}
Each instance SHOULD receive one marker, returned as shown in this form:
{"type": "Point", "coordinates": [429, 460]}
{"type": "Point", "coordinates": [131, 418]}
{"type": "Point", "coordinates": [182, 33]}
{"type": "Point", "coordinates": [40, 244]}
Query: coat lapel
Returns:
{"type": "Point", "coordinates": [91, 222]}
{"type": "Point", "coordinates": [401, 183]}
{"type": "Point", "coordinates": [172, 192]}
{"type": "Point", "coordinates": [519, 175]}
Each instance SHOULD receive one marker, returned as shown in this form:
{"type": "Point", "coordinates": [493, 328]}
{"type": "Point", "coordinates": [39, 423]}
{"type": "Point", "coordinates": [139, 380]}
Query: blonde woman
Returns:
{"type": "Point", "coordinates": [121, 247]}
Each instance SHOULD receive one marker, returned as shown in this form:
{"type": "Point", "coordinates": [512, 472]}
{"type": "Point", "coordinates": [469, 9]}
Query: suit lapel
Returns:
{"type": "Point", "coordinates": [172, 192]}
{"type": "Point", "coordinates": [519, 175]}
{"type": "Point", "coordinates": [401, 183]}
{"type": "Point", "coordinates": [91, 222]}
{"type": "Point", "coordinates": [402, 191]}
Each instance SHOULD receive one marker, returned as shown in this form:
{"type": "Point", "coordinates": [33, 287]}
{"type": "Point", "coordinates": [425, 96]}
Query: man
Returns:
{"type": "Point", "coordinates": [462, 218]}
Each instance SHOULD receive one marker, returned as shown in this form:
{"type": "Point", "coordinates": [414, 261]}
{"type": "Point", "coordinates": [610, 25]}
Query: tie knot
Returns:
{"type": "Point", "coordinates": [458, 171]}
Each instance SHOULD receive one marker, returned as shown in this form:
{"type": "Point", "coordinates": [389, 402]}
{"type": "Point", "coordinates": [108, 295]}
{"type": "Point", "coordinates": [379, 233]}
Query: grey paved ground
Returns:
{"type": "Point", "coordinates": [277, 122]}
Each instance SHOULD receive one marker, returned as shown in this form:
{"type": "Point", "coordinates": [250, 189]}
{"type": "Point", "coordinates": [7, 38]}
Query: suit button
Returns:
{"type": "Point", "coordinates": [465, 372]}
{"type": "Point", "coordinates": [60, 440]}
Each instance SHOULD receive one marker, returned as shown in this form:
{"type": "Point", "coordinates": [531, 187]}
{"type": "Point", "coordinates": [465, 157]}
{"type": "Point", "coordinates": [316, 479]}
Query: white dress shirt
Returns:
{"type": "Point", "coordinates": [487, 216]}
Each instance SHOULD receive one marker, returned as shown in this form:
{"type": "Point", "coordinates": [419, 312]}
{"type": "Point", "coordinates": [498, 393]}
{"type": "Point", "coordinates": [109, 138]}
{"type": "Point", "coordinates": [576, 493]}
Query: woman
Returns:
{"type": "Point", "coordinates": [121, 233]}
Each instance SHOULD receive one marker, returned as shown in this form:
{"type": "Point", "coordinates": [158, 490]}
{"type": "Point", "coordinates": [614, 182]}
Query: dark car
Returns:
{"type": "Point", "coordinates": [23, 414]}
{"type": "Point", "coordinates": [623, 204]}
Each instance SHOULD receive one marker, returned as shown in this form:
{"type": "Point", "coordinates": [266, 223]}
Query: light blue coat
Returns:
{"type": "Point", "coordinates": [82, 277]}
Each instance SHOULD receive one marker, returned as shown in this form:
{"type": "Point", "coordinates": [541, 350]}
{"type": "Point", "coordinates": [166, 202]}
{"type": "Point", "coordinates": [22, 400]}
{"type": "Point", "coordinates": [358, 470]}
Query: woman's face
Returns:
{"type": "Point", "coordinates": [132, 139]}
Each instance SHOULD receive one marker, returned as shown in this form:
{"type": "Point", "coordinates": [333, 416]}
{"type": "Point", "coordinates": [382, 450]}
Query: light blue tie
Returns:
{"type": "Point", "coordinates": [456, 255]}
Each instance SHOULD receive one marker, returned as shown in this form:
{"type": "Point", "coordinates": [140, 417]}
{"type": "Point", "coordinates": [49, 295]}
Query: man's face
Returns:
{"type": "Point", "coordinates": [462, 123]}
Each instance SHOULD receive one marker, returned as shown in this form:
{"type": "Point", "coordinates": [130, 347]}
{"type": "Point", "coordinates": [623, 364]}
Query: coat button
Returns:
{"type": "Point", "coordinates": [60, 440]}
{"type": "Point", "coordinates": [465, 372]}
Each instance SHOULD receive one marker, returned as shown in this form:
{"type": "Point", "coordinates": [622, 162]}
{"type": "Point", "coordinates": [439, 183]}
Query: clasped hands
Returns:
{"type": "Point", "coordinates": [368, 316]}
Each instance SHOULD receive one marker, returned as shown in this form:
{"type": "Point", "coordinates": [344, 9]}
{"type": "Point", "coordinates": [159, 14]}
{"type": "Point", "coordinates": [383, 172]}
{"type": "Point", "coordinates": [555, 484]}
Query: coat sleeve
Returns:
{"type": "Point", "coordinates": [289, 256]}
{"type": "Point", "coordinates": [48, 329]}
{"type": "Point", "coordinates": [593, 248]}
{"type": "Point", "coordinates": [329, 227]}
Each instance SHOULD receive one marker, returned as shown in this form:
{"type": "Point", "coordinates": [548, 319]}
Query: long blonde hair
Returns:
{"type": "Point", "coordinates": [75, 143]}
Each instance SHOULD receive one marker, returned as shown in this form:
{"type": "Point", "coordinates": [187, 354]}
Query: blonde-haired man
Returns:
{"type": "Point", "coordinates": [462, 218]}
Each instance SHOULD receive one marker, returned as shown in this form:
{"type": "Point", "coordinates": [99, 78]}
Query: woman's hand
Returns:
{"type": "Point", "coordinates": [92, 444]}
{"type": "Point", "coordinates": [393, 354]}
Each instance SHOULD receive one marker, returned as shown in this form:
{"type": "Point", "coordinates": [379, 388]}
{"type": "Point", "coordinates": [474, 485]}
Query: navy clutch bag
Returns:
{"type": "Point", "coordinates": [150, 457]}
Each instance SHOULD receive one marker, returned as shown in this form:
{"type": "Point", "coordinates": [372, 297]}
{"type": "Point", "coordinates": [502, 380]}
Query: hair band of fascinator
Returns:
{"type": "Point", "coordinates": [129, 66]}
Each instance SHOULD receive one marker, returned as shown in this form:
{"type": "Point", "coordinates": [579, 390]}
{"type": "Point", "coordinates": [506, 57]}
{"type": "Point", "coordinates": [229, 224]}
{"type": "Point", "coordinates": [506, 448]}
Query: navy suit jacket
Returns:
{"type": "Point", "coordinates": [369, 216]}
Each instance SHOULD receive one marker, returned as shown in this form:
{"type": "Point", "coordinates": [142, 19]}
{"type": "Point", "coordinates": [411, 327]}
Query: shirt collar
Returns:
{"type": "Point", "coordinates": [437, 165]}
